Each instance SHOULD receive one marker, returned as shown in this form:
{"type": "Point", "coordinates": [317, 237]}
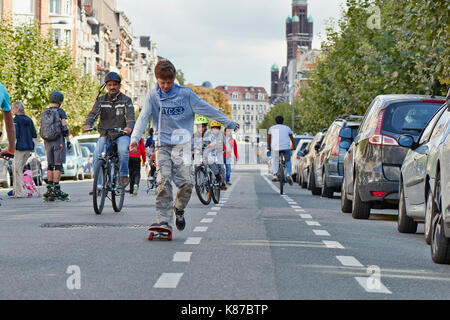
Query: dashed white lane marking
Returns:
{"type": "Point", "coordinates": [299, 210]}
{"type": "Point", "coordinates": [305, 216]}
{"type": "Point", "coordinates": [296, 207]}
{"type": "Point", "coordinates": [168, 280]}
{"type": "Point", "coordinates": [216, 208]}
{"type": "Point", "coordinates": [193, 240]}
{"type": "Point", "coordinates": [372, 285]}
{"type": "Point", "coordinates": [211, 214]}
{"type": "Point", "coordinates": [321, 233]}
{"type": "Point", "coordinates": [349, 261]}
{"type": "Point", "coordinates": [207, 220]}
{"type": "Point", "coordinates": [313, 223]}
{"type": "Point", "coordinates": [200, 229]}
{"type": "Point", "coordinates": [182, 256]}
{"type": "Point", "coordinates": [220, 205]}
{"type": "Point", "coordinates": [333, 244]}
{"type": "Point", "coordinates": [292, 202]}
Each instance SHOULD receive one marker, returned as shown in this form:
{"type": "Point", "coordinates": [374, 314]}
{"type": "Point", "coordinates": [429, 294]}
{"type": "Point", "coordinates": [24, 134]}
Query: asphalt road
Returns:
{"type": "Point", "coordinates": [254, 245]}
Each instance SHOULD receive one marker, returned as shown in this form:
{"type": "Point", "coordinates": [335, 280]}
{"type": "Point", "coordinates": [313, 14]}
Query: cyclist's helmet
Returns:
{"type": "Point", "coordinates": [56, 97]}
{"type": "Point", "coordinates": [216, 124]}
{"type": "Point", "coordinates": [113, 76]}
{"type": "Point", "coordinates": [201, 120]}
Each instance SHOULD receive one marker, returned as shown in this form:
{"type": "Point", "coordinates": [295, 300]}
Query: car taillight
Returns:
{"type": "Point", "coordinates": [379, 139]}
{"type": "Point", "coordinates": [335, 150]}
{"type": "Point", "coordinates": [378, 194]}
{"type": "Point", "coordinates": [433, 101]}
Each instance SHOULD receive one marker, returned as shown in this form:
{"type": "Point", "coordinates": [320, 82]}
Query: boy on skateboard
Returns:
{"type": "Point", "coordinates": [172, 109]}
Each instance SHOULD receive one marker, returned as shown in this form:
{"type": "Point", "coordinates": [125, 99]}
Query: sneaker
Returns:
{"type": "Point", "coordinates": [228, 184]}
{"type": "Point", "coordinates": [135, 189]}
{"type": "Point", "coordinates": [223, 187]}
{"type": "Point", "coordinates": [180, 223]}
{"type": "Point", "coordinates": [124, 181]}
{"type": "Point", "coordinates": [163, 224]}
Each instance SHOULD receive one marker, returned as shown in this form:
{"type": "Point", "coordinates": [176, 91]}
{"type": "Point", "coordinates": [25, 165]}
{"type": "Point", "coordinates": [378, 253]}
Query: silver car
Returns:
{"type": "Point", "coordinates": [425, 184]}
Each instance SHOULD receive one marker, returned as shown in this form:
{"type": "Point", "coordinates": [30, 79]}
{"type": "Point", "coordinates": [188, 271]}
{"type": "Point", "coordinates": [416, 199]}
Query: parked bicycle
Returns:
{"type": "Point", "coordinates": [107, 176]}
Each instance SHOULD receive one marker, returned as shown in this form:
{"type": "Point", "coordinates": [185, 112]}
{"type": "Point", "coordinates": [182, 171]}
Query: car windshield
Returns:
{"type": "Point", "coordinates": [408, 117]}
{"type": "Point", "coordinates": [40, 151]}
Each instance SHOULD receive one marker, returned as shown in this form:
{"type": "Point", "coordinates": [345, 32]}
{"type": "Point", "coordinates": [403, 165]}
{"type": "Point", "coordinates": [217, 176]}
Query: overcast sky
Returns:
{"type": "Point", "coordinates": [232, 42]}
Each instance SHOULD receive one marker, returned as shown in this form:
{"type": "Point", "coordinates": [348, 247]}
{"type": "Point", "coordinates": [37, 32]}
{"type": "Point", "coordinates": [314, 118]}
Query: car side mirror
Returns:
{"type": "Point", "coordinates": [406, 141]}
{"type": "Point", "coordinates": [346, 133]}
{"type": "Point", "coordinates": [300, 154]}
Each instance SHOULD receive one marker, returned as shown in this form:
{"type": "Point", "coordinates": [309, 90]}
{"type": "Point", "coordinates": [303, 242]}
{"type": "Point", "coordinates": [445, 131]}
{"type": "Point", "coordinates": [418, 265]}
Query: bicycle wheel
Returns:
{"type": "Point", "coordinates": [118, 192]}
{"type": "Point", "coordinates": [215, 188]}
{"type": "Point", "coordinates": [99, 188]}
{"type": "Point", "coordinates": [281, 178]}
{"type": "Point", "coordinates": [202, 186]}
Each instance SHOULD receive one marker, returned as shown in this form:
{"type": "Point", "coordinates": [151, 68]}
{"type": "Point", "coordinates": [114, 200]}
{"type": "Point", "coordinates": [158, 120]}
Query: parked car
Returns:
{"type": "Point", "coordinates": [5, 174]}
{"type": "Point", "coordinates": [372, 164]}
{"type": "Point", "coordinates": [424, 173]}
{"type": "Point", "coordinates": [301, 144]}
{"type": "Point", "coordinates": [301, 179]}
{"type": "Point", "coordinates": [307, 166]}
{"type": "Point", "coordinates": [88, 165]}
{"type": "Point", "coordinates": [329, 162]}
{"type": "Point", "coordinates": [73, 167]}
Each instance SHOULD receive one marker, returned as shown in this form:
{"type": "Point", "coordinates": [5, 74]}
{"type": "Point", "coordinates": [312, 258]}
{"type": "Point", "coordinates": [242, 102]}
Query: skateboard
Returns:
{"type": "Point", "coordinates": [160, 233]}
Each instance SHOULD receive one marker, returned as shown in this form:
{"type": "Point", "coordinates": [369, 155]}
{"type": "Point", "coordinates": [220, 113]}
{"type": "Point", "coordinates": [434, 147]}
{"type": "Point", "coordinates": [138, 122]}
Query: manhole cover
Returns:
{"type": "Point", "coordinates": [91, 225]}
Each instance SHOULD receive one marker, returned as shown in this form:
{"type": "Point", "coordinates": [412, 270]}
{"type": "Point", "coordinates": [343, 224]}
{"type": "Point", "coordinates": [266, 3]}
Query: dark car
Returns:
{"type": "Point", "coordinates": [329, 162]}
{"type": "Point", "coordinates": [372, 164]}
{"type": "Point", "coordinates": [307, 164]}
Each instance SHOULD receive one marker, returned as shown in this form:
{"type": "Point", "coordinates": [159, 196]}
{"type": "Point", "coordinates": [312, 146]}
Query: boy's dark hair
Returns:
{"type": "Point", "coordinates": [165, 70]}
{"type": "Point", "coordinates": [279, 120]}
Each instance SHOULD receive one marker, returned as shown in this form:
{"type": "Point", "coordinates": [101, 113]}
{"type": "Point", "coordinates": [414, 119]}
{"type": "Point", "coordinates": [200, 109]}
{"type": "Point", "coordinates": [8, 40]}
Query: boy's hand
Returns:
{"type": "Point", "coordinates": [133, 147]}
{"type": "Point", "coordinates": [128, 131]}
{"type": "Point", "coordinates": [4, 154]}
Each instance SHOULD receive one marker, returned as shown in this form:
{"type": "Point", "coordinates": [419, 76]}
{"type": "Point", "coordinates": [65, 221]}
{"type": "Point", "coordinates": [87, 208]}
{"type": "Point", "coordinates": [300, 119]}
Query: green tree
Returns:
{"type": "Point", "coordinates": [180, 77]}
{"type": "Point", "coordinates": [32, 67]}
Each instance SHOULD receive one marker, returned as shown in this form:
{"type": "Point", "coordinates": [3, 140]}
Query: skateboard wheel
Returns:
{"type": "Point", "coordinates": [169, 237]}
{"type": "Point", "coordinates": [150, 236]}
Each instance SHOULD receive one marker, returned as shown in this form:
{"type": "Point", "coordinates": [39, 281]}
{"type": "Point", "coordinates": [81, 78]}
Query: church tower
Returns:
{"type": "Point", "coordinates": [299, 28]}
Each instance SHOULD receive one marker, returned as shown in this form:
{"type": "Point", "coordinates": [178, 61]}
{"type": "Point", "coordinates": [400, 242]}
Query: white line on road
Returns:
{"type": "Point", "coordinates": [200, 229]}
{"type": "Point", "coordinates": [193, 240]}
{"type": "Point", "coordinates": [376, 287]}
{"type": "Point", "coordinates": [207, 220]}
{"type": "Point", "coordinates": [216, 208]}
{"type": "Point", "coordinates": [211, 214]}
{"type": "Point", "coordinates": [305, 216]}
{"type": "Point", "coordinates": [296, 207]}
{"type": "Point", "coordinates": [182, 256]}
{"type": "Point", "coordinates": [299, 210]}
{"type": "Point", "coordinates": [313, 223]}
{"type": "Point", "coordinates": [321, 233]}
{"type": "Point", "coordinates": [168, 280]}
{"type": "Point", "coordinates": [333, 244]}
{"type": "Point", "coordinates": [349, 261]}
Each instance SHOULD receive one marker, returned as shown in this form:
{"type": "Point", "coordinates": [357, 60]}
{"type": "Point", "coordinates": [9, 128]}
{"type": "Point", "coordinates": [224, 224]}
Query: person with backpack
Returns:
{"type": "Point", "coordinates": [54, 131]}
{"type": "Point", "coordinates": [173, 109]}
{"type": "Point", "coordinates": [25, 135]}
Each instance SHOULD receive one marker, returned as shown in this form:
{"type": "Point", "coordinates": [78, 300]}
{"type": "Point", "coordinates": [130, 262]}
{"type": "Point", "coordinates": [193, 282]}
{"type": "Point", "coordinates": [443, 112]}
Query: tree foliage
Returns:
{"type": "Point", "coordinates": [409, 53]}
{"type": "Point", "coordinates": [214, 97]}
{"type": "Point", "coordinates": [32, 67]}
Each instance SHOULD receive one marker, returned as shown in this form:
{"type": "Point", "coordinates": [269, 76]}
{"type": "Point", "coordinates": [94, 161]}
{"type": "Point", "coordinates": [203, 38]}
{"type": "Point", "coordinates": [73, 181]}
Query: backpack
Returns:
{"type": "Point", "coordinates": [50, 124]}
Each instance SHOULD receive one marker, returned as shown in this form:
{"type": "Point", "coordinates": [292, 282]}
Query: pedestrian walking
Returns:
{"type": "Point", "coordinates": [54, 131]}
{"type": "Point", "coordinates": [173, 108]}
{"type": "Point", "coordinates": [231, 147]}
{"type": "Point", "coordinates": [5, 106]}
{"type": "Point", "coordinates": [134, 164]}
{"type": "Point", "coordinates": [25, 135]}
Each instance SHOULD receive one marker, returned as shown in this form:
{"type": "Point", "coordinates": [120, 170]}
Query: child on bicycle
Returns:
{"type": "Point", "coordinates": [173, 108]}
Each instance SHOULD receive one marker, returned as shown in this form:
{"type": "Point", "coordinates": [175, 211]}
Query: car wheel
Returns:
{"type": "Point", "coordinates": [430, 211]}
{"type": "Point", "coordinates": [440, 244]}
{"type": "Point", "coordinates": [360, 209]}
{"type": "Point", "coordinates": [304, 182]}
{"type": "Point", "coordinates": [312, 183]}
{"type": "Point", "coordinates": [325, 191]}
{"type": "Point", "coordinates": [404, 223]}
{"type": "Point", "coordinates": [346, 205]}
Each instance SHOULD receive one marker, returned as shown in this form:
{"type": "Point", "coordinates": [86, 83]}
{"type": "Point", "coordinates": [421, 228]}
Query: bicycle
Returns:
{"type": "Point", "coordinates": [151, 178]}
{"type": "Point", "coordinates": [108, 168]}
{"type": "Point", "coordinates": [206, 185]}
{"type": "Point", "coordinates": [282, 172]}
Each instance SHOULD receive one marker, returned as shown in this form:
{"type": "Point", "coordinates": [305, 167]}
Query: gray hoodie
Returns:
{"type": "Point", "coordinates": [177, 108]}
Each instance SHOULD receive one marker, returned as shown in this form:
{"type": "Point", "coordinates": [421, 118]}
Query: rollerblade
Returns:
{"type": "Point", "coordinates": [180, 223]}
{"type": "Point", "coordinates": [59, 195]}
{"type": "Point", "coordinates": [49, 196]}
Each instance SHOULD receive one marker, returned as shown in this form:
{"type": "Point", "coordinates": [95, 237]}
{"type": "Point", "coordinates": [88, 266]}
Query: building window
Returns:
{"type": "Point", "coordinates": [68, 37]}
{"type": "Point", "coordinates": [55, 6]}
{"type": "Point", "coordinates": [235, 95]}
{"type": "Point", "coordinates": [24, 6]}
{"type": "Point", "coordinates": [68, 7]}
{"type": "Point", "coordinates": [56, 36]}
{"type": "Point", "coordinates": [248, 96]}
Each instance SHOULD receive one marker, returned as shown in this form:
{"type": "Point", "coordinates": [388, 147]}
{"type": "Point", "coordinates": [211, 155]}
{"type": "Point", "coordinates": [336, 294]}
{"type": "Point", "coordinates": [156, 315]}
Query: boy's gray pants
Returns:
{"type": "Point", "coordinates": [172, 166]}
